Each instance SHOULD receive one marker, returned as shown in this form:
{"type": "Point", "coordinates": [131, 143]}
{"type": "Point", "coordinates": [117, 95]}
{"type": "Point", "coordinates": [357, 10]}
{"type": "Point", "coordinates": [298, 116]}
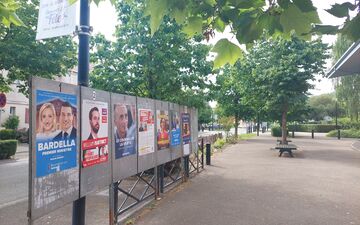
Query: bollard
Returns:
{"type": "Point", "coordinates": [208, 154]}
{"type": "Point", "coordinates": [202, 153]}
{"type": "Point", "coordinates": [161, 178]}
{"type": "Point", "coordinates": [293, 134]}
{"type": "Point", "coordinates": [312, 134]}
{"type": "Point", "coordinates": [338, 135]}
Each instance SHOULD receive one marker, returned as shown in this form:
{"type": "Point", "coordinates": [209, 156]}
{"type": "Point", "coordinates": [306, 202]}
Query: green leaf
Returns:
{"type": "Point", "coordinates": [156, 9]}
{"type": "Point", "coordinates": [227, 52]}
{"type": "Point", "coordinates": [72, 1]}
{"type": "Point", "coordinates": [305, 5]}
{"type": "Point", "coordinates": [211, 2]}
{"type": "Point", "coordinates": [341, 10]}
{"type": "Point", "coordinates": [219, 25]}
{"type": "Point", "coordinates": [294, 19]}
{"type": "Point", "coordinates": [284, 3]}
{"type": "Point", "coordinates": [179, 15]}
{"type": "Point", "coordinates": [15, 20]}
{"type": "Point", "coordinates": [194, 26]}
{"type": "Point", "coordinates": [351, 29]}
{"type": "Point", "coordinates": [97, 2]}
{"type": "Point", "coordinates": [325, 29]}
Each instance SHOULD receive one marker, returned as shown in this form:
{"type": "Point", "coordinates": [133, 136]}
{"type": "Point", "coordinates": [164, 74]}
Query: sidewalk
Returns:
{"type": "Point", "coordinates": [249, 184]}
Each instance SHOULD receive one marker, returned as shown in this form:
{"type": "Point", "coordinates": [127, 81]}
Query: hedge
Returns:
{"type": "Point", "coordinates": [352, 133]}
{"type": "Point", "coordinates": [320, 128]}
{"type": "Point", "coordinates": [276, 132]}
{"type": "Point", "coordinates": [7, 148]}
{"type": "Point", "coordinates": [7, 134]}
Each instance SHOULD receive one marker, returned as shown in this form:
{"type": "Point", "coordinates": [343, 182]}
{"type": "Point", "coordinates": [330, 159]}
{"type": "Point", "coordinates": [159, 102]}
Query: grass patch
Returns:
{"type": "Point", "coordinates": [246, 136]}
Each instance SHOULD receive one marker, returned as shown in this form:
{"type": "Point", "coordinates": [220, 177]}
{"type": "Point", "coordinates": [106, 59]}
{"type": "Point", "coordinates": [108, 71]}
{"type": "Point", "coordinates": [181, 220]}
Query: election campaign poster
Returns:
{"type": "Point", "coordinates": [186, 135]}
{"type": "Point", "coordinates": [124, 130]}
{"type": "Point", "coordinates": [175, 129]}
{"type": "Point", "coordinates": [94, 129]}
{"type": "Point", "coordinates": [55, 132]}
{"type": "Point", "coordinates": [56, 18]}
{"type": "Point", "coordinates": [162, 122]}
{"type": "Point", "coordinates": [146, 131]}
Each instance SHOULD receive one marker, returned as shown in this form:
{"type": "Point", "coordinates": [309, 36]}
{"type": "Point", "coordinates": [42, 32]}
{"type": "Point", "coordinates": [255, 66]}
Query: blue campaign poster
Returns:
{"type": "Point", "coordinates": [175, 129]}
{"type": "Point", "coordinates": [56, 116]}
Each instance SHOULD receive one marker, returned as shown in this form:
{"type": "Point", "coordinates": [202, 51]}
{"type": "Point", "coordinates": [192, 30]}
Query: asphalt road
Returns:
{"type": "Point", "coordinates": [14, 180]}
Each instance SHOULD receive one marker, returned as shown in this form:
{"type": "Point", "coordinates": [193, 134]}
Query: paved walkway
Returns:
{"type": "Point", "coordinates": [249, 184]}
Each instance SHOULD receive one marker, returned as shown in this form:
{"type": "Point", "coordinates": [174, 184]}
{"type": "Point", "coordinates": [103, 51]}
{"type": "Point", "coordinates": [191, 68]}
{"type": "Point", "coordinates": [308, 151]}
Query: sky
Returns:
{"type": "Point", "coordinates": [106, 25]}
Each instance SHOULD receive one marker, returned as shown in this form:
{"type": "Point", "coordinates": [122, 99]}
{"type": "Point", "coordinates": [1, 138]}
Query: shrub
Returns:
{"type": "Point", "coordinates": [320, 128]}
{"type": "Point", "coordinates": [276, 131]}
{"type": "Point", "coordinates": [23, 135]}
{"type": "Point", "coordinates": [7, 134]}
{"type": "Point", "coordinates": [7, 148]}
{"type": "Point", "coordinates": [352, 133]}
{"type": "Point", "coordinates": [219, 143]}
{"type": "Point", "coordinates": [12, 122]}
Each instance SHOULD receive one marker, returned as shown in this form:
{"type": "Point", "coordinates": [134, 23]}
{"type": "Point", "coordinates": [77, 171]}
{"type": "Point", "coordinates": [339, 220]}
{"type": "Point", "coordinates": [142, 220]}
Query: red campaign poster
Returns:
{"type": "Point", "coordinates": [94, 144]}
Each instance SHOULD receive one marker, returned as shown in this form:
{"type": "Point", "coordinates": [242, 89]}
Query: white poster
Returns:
{"type": "Point", "coordinates": [146, 131]}
{"type": "Point", "coordinates": [56, 18]}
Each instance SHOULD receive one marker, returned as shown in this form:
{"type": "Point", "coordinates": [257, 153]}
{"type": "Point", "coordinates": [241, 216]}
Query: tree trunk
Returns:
{"type": "Point", "coordinates": [258, 125]}
{"type": "Point", "coordinates": [283, 125]}
{"type": "Point", "coordinates": [236, 125]}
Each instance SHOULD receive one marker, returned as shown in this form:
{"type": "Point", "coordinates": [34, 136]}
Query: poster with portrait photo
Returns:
{"type": "Point", "coordinates": [186, 135]}
{"type": "Point", "coordinates": [94, 129]}
{"type": "Point", "coordinates": [146, 131]}
{"type": "Point", "coordinates": [55, 132]}
{"type": "Point", "coordinates": [124, 130]}
{"type": "Point", "coordinates": [162, 122]}
{"type": "Point", "coordinates": [175, 129]}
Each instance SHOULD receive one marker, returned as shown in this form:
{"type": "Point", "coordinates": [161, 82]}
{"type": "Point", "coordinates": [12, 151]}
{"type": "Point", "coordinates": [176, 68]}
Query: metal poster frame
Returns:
{"type": "Point", "coordinates": [164, 154]}
{"type": "Point", "coordinates": [146, 161]}
{"type": "Point", "coordinates": [123, 166]}
{"type": "Point", "coordinates": [53, 189]}
{"type": "Point", "coordinates": [98, 175]}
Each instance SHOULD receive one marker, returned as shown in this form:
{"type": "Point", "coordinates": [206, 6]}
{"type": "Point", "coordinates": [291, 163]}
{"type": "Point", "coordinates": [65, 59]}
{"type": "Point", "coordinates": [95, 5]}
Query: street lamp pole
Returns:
{"type": "Point", "coordinates": [78, 217]}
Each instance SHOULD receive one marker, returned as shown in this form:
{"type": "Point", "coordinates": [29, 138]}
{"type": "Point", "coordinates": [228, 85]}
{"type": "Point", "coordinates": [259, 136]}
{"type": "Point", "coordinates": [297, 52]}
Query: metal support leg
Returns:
{"type": "Point", "coordinates": [78, 212]}
{"type": "Point", "coordinates": [202, 153]}
{"type": "Point", "coordinates": [208, 154]}
{"type": "Point", "coordinates": [161, 177]}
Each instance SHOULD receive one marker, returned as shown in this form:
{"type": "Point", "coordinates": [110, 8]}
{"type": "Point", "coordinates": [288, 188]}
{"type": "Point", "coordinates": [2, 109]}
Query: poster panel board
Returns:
{"type": "Point", "coordinates": [54, 146]}
{"type": "Point", "coordinates": [124, 134]}
{"type": "Point", "coordinates": [186, 130]}
{"type": "Point", "coordinates": [175, 131]}
{"type": "Point", "coordinates": [146, 134]}
{"type": "Point", "coordinates": [162, 132]}
{"type": "Point", "coordinates": [194, 130]}
{"type": "Point", "coordinates": [95, 142]}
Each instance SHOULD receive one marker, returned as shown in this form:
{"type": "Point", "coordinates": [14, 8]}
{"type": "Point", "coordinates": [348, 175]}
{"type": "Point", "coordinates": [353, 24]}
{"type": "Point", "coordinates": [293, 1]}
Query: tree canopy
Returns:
{"type": "Point", "coordinates": [165, 66]}
{"type": "Point", "coordinates": [23, 56]}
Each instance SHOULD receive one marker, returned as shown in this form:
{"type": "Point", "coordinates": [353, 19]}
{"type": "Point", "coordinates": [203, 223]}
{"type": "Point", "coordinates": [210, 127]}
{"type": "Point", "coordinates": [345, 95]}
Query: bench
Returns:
{"type": "Point", "coordinates": [286, 148]}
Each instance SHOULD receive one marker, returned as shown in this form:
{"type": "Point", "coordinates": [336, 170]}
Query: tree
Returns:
{"type": "Point", "coordinates": [231, 94]}
{"type": "Point", "coordinates": [23, 56]}
{"type": "Point", "coordinates": [322, 105]}
{"type": "Point", "coordinates": [165, 66]}
{"type": "Point", "coordinates": [281, 70]}
{"type": "Point", "coordinates": [348, 87]}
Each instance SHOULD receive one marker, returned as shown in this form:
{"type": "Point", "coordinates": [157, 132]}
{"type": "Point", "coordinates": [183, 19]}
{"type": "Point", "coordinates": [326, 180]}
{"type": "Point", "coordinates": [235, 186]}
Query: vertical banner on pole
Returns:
{"type": "Point", "coordinates": [124, 134]}
{"type": "Point", "coordinates": [95, 141]}
{"type": "Point", "coordinates": [54, 146]}
{"type": "Point", "coordinates": [146, 134]}
{"type": "Point", "coordinates": [194, 130]}
{"type": "Point", "coordinates": [175, 131]}
{"type": "Point", "coordinates": [162, 132]}
{"type": "Point", "coordinates": [186, 130]}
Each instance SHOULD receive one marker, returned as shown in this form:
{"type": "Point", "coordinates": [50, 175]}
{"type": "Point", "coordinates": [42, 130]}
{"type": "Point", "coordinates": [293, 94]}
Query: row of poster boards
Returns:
{"type": "Point", "coordinates": [84, 139]}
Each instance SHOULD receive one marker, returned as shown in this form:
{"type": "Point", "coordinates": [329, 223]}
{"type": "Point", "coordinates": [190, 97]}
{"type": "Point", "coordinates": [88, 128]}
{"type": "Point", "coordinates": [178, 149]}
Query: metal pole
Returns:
{"type": "Point", "coordinates": [83, 80]}
{"type": "Point", "coordinates": [161, 178]}
{"type": "Point", "coordinates": [336, 120]}
{"type": "Point", "coordinates": [208, 154]}
{"type": "Point", "coordinates": [202, 153]}
{"type": "Point", "coordinates": [312, 134]}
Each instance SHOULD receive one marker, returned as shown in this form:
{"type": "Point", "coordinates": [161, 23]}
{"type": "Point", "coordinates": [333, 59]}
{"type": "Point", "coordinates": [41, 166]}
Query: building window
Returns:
{"type": "Point", "coordinates": [26, 115]}
{"type": "Point", "coordinates": [12, 110]}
